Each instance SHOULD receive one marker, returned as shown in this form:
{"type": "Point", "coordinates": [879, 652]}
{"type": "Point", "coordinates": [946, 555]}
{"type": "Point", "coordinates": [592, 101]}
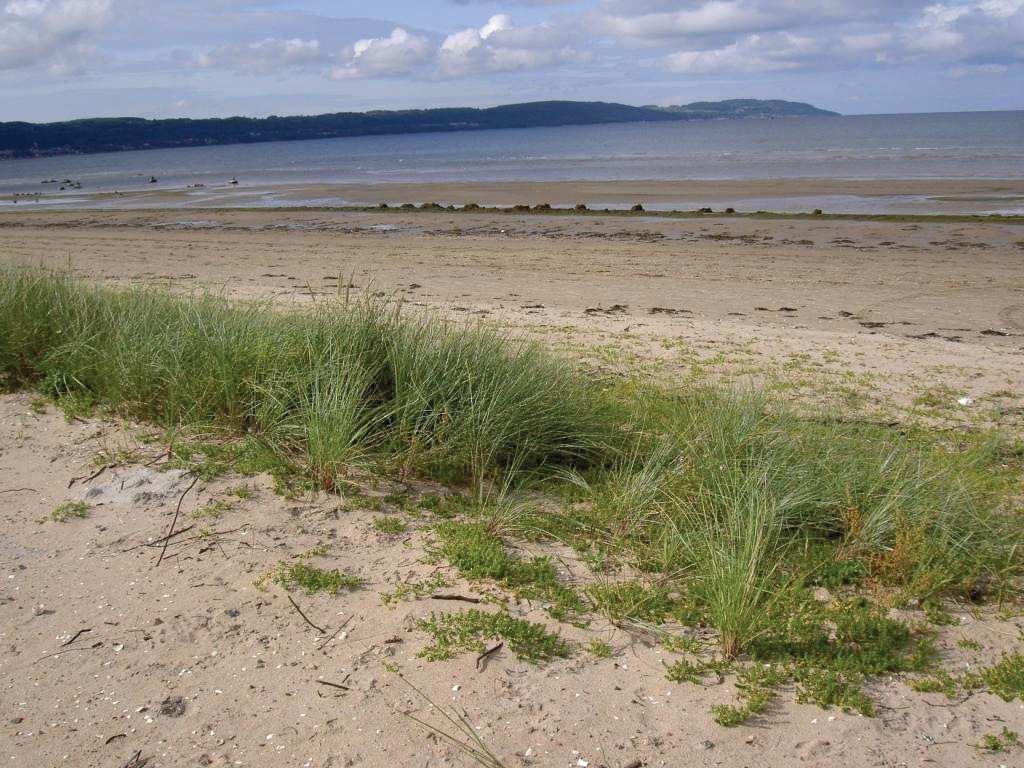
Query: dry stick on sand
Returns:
{"type": "Point", "coordinates": [93, 647]}
{"type": "Point", "coordinates": [166, 454]}
{"type": "Point", "coordinates": [137, 760]}
{"type": "Point", "coordinates": [337, 632]}
{"type": "Point", "coordinates": [162, 539]}
{"type": "Point", "coordinates": [77, 635]}
{"type": "Point", "coordinates": [483, 658]}
{"type": "Point", "coordinates": [174, 522]}
{"type": "Point", "coordinates": [93, 476]}
{"type": "Point", "coordinates": [339, 686]}
{"type": "Point", "coordinates": [458, 598]}
{"type": "Point", "coordinates": [304, 616]}
{"type": "Point", "coordinates": [17, 490]}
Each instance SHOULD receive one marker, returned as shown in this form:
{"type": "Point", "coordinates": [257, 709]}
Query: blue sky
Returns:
{"type": "Point", "coordinates": [62, 59]}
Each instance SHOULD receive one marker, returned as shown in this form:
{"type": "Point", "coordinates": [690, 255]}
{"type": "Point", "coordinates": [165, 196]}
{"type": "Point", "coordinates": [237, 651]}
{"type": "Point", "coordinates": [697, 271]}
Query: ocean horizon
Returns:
{"type": "Point", "coordinates": [956, 145]}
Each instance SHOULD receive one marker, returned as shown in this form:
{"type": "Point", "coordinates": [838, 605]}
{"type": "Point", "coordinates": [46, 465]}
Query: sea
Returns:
{"type": "Point", "coordinates": [969, 145]}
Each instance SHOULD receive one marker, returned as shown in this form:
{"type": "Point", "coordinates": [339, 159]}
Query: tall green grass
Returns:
{"type": "Point", "coordinates": [327, 388]}
{"type": "Point", "coordinates": [760, 504]}
{"type": "Point", "coordinates": [736, 499]}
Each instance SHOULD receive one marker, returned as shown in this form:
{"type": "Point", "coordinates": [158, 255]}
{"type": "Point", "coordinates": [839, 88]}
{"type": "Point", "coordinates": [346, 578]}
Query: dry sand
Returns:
{"type": "Point", "coordinates": [889, 311]}
{"type": "Point", "coordinates": [191, 663]}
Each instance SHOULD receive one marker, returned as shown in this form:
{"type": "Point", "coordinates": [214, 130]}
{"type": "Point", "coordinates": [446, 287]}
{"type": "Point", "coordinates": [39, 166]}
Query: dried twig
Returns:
{"type": "Point", "coordinates": [166, 454]}
{"type": "Point", "coordinates": [337, 632]}
{"type": "Point", "coordinates": [483, 658]}
{"type": "Point", "coordinates": [459, 598]}
{"type": "Point", "coordinates": [93, 476]}
{"type": "Point", "coordinates": [16, 490]}
{"type": "Point", "coordinates": [339, 686]}
{"type": "Point", "coordinates": [174, 522]}
{"type": "Point", "coordinates": [137, 760]}
{"type": "Point", "coordinates": [77, 635]}
{"type": "Point", "coordinates": [161, 540]}
{"type": "Point", "coordinates": [92, 647]}
{"type": "Point", "coordinates": [197, 537]}
{"type": "Point", "coordinates": [304, 616]}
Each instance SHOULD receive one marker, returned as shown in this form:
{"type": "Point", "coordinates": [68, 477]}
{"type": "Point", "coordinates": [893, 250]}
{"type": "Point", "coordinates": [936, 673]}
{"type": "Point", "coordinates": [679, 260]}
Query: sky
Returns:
{"type": "Point", "coordinates": [64, 59]}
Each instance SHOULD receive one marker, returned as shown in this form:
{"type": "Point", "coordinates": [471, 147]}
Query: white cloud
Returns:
{"type": "Point", "coordinates": [50, 32]}
{"type": "Point", "coordinates": [500, 46]}
{"type": "Point", "coordinates": [716, 16]}
{"type": "Point", "coordinates": [752, 54]}
{"type": "Point", "coordinates": [496, 46]}
{"type": "Point", "coordinates": [263, 57]}
{"type": "Point", "coordinates": [397, 54]}
{"type": "Point", "coordinates": [991, 30]}
{"type": "Point", "coordinates": [974, 38]}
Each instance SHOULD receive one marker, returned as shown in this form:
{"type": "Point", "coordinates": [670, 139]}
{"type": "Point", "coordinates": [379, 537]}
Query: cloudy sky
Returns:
{"type": "Point", "coordinates": [61, 59]}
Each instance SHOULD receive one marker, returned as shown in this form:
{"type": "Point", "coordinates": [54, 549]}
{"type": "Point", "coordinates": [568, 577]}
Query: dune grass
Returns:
{"type": "Point", "coordinates": [737, 503]}
{"type": "Point", "coordinates": [328, 389]}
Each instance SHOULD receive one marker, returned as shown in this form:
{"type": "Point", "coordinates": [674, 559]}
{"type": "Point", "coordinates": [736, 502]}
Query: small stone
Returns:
{"type": "Point", "coordinates": [822, 595]}
{"type": "Point", "coordinates": [708, 744]}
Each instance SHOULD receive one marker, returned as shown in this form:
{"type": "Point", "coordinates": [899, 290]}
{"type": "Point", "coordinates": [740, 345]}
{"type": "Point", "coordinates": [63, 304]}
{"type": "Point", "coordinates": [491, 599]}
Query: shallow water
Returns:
{"type": "Point", "coordinates": [948, 146]}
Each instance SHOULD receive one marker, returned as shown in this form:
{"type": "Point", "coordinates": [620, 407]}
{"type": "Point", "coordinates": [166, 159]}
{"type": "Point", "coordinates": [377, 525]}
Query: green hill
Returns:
{"type": "Point", "coordinates": [114, 134]}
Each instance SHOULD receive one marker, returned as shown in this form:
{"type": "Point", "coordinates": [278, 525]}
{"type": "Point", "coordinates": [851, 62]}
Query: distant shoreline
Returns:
{"type": "Point", "coordinates": [125, 134]}
{"type": "Point", "coordinates": [847, 197]}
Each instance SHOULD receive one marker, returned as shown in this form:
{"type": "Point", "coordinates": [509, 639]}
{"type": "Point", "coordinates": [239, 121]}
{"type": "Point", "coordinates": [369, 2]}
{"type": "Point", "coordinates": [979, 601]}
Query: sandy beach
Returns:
{"type": "Point", "coordinates": [886, 318]}
{"type": "Point", "coordinates": [198, 662]}
{"type": "Point", "coordinates": [528, 384]}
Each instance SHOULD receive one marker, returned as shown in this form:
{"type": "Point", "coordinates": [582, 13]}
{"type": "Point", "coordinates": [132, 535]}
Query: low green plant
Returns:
{"type": "Point", "coordinates": [212, 509]}
{"type": "Point", "coordinates": [415, 590]}
{"type": "Point", "coordinates": [1003, 741]}
{"type": "Point", "coordinates": [390, 525]}
{"type": "Point", "coordinates": [938, 615]}
{"type": "Point", "coordinates": [599, 649]}
{"type": "Point", "coordinates": [241, 492]}
{"type": "Point", "coordinates": [828, 688]}
{"type": "Point", "coordinates": [939, 682]}
{"type": "Point", "coordinates": [686, 671]}
{"type": "Point", "coordinates": [70, 510]}
{"type": "Point", "coordinates": [479, 554]}
{"type": "Point", "coordinates": [455, 633]}
{"type": "Point", "coordinates": [313, 579]}
{"type": "Point", "coordinates": [1006, 678]}
{"type": "Point", "coordinates": [631, 600]}
{"type": "Point", "coordinates": [681, 644]}
{"type": "Point", "coordinates": [756, 686]}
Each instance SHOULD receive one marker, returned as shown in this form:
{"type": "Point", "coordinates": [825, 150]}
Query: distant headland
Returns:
{"type": "Point", "coordinates": [117, 134]}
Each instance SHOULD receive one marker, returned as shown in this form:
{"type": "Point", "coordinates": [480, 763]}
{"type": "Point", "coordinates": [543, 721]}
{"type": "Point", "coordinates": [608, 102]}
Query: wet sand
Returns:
{"type": "Point", "coordinates": [913, 196]}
